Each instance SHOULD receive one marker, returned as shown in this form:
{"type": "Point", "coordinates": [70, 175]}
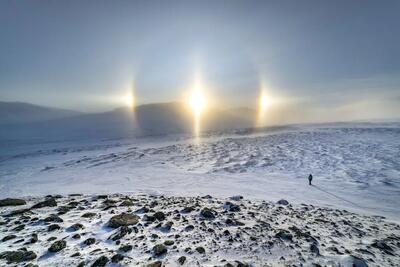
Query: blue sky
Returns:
{"type": "Point", "coordinates": [84, 55]}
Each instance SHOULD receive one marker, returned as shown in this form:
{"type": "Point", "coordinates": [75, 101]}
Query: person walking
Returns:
{"type": "Point", "coordinates": [310, 179]}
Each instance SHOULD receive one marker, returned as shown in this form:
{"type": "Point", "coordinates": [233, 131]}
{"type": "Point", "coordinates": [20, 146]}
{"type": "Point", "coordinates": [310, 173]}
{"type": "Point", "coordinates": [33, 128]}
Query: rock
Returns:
{"type": "Point", "coordinates": [142, 210]}
{"type": "Point", "coordinates": [314, 249]}
{"type": "Point", "coordinates": [207, 213]}
{"type": "Point", "coordinates": [241, 264]}
{"type": "Point", "coordinates": [76, 236]}
{"type": "Point", "coordinates": [50, 202]}
{"type": "Point", "coordinates": [233, 222]}
{"type": "Point", "coordinates": [57, 246]}
{"type": "Point", "coordinates": [17, 212]}
{"type": "Point", "coordinates": [357, 262]}
{"type": "Point", "coordinates": [380, 244]}
{"type": "Point", "coordinates": [53, 218]}
{"type": "Point", "coordinates": [117, 258]}
{"type": "Point", "coordinates": [19, 228]}
{"type": "Point", "coordinates": [18, 256]}
{"type": "Point", "coordinates": [154, 264]}
{"type": "Point", "coordinates": [53, 227]}
{"type": "Point", "coordinates": [169, 242]}
{"type": "Point", "coordinates": [100, 262]}
{"type": "Point", "coordinates": [284, 235]}
{"type": "Point", "coordinates": [89, 241]}
{"type": "Point", "coordinates": [159, 215]}
{"type": "Point", "coordinates": [159, 250]}
{"type": "Point", "coordinates": [33, 239]}
{"type": "Point", "coordinates": [123, 219]}
{"type": "Point", "coordinates": [189, 228]}
{"type": "Point", "coordinates": [8, 237]}
{"type": "Point", "coordinates": [187, 210]}
{"type": "Point", "coordinates": [76, 227]}
{"type": "Point", "coordinates": [12, 202]}
{"type": "Point", "coordinates": [148, 218]}
{"type": "Point", "coordinates": [126, 203]}
{"type": "Point", "coordinates": [231, 207]}
{"type": "Point", "coordinates": [283, 202]}
{"type": "Point", "coordinates": [88, 215]}
{"type": "Point", "coordinates": [236, 198]}
{"type": "Point", "coordinates": [182, 260]}
{"type": "Point", "coordinates": [121, 232]}
{"type": "Point", "coordinates": [125, 248]}
{"type": "Point", "coordinates": [201, 250]}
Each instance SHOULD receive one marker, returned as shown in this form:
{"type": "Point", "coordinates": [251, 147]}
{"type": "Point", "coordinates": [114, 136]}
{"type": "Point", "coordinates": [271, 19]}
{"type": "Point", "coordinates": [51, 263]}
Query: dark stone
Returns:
{"type": "Point", "coordinates": [189, 228]}
{"type": "Point", "coordinates": [50, 202]}
{"type": "Point", "coordinates": [159, 215]}
{"type": "Point", "coordinates": [8, 237]}
{"type": "Point", "coordinates": [314, 249]}
{"type": "Point", "coordinates": [76, 227]}
{"type": "Point", "coordinates": [12, 202]}
{"type": "Point", "coordinates": [187, 210]}
{"type": "Point", "coordinates": [88, 215]}
{"type": "Point", "coordinates": [182, 260]}
{"type": "Point", "coordinates": [34, 238]}
{"type": "Point", "coordinates": [53, 218]}
{"type": "Point", "coordinates": [231, 207]}
{"type": "Point", "coordinates": [380, 244]}
{"type": "Point", "coordinates": [284, 235]}
{"type": "Point", "coordinates": [89, 241]}
{"type": "Point", "coordinates": [76, 236]}
{"type": "Point", "coordinates": [283, 202]}
{"type": "Point", "coordinates": [126, 203]}
{"type": "Point", "coordinates": [201, 250]}
{"type": "Point", "coordinates": [154, 264]}
{"type": "Point", "coordinates": [100, 262]}
{"type": "Point", "coordinates": [19, 228]}
{"type": "Point", "coordinates": [117, 258]}
{"type": "Point", "coordinates": [123, 219]}
{"type": "Point", "coordinates": [169, 242]}
{"type": "Point", "coordinates": [358, 262]}
{"type": "Point", "coordinates": [121, 232]}
{"type": "Point", "coordinates": [57, 246]}
{"type": "Point", "coordinates": [159, 250]}
{"type": "Point", "coordinates": [208, 213]}
{"type": "Point", "coordinates": [18, 256]}
{"type": "Point", "coordinates": [53, 227]}
{"type": "Point", "coordinates": [126, 248]}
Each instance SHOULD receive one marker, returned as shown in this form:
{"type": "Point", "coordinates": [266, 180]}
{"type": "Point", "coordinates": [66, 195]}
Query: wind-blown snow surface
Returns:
{"type": "Point", "coordinates": [355, 166]}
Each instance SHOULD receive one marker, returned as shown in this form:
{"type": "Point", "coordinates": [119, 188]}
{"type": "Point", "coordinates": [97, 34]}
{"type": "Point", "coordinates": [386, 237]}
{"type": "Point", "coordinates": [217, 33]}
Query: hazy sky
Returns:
{"type": "Point", "coordinates": [322, 56]}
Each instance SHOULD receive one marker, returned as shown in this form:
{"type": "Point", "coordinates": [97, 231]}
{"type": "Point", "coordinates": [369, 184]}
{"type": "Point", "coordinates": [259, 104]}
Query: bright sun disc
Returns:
{"type": "Point", "coordinates": [197, 101]}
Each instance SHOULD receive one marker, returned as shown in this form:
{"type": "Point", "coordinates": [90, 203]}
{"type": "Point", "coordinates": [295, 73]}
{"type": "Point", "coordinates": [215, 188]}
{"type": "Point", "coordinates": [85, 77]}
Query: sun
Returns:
{"type": "Point", "coordinates": [129, 100]}
{"type": "Point", "coordinates": [264, 102]}
{"type": "Point", "coordinates": [197, 100]}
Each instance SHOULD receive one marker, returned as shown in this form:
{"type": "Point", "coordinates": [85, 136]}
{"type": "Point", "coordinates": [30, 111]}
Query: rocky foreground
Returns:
{"type": "Point", "coordinates": [144, 230]}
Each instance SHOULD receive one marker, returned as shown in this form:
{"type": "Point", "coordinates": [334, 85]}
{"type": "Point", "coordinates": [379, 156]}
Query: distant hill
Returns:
{"type": "Point", "coordinates": [18, 112]}
{"type": "Point", "coordinates": [146, 120]}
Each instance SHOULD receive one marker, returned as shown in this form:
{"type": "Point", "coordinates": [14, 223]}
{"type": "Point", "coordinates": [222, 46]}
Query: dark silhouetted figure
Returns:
{"type": "Point", "coordinates": [309, 179]}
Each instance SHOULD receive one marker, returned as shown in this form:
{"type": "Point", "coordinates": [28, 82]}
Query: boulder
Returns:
{"type": "Point", "coordinates": [57, 246]}
{"type": "Point", "coordinates": [283, 202]}
{"type": "Point", "coordinates": [100, 262]}
{"type": "Point", "coordinates": [12, 202]}
{"type": "Point", "coordinates": [159, 250]}
{"type": "Point", "coordinates": [207, 213]}
{"type": "Point", "coordinates": [18, 256]}
{"type": "Point", "coordinates": [50, 202]}
{"type": "Point", "coordinates": [123, 219]}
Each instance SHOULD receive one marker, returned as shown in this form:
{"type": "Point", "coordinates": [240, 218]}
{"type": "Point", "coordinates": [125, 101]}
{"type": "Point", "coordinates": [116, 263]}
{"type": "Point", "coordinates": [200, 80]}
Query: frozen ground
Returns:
{"type": "Point", "coordinates": [356, 167]}
{"type": "Point", "coordinates": [155, 231]}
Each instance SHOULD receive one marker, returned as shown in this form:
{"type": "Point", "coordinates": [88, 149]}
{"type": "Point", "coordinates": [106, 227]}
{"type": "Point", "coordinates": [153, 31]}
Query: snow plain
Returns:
{"type": "Point", "coordinates": [355, 166]}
